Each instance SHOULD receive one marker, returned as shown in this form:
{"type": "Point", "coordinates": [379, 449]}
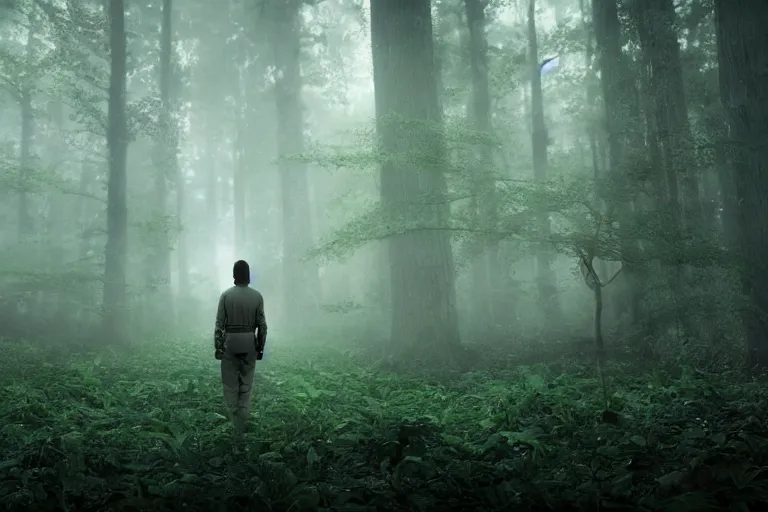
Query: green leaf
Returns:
{"type": "Point", "coordinates": [673, 479]}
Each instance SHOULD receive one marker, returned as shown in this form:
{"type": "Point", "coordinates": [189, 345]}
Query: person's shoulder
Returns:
{"type": "Point", "coordinates": [228, 291]}
{"type": "Point", "coordinates": [256, 293]}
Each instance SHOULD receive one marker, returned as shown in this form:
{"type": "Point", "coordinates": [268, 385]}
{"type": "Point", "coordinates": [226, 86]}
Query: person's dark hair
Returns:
{"type": "Point", "coordinates": [241, 272]}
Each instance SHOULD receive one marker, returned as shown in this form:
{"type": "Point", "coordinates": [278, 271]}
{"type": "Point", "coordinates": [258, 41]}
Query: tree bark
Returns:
{"type": "Point", "coordinates": [117, 210]}
{"type": "Point", "coordinates": [591, 89]}
{"type": "Point", "coordinates": [212, 208]}
{"type": "Point", "coordinates": [621, 105]}
{"type": "Point", "coordinates": [176, 174]}
{"type": "Point", "coordinates": [546, 277]}
{"type": "Point", "coordinates": [742, 44]}
{"type": "Point", "coordinates": [159, 267]}
{"type": "Point", "coordinates": [658, 21]}
{"type": "Point", "coordinates": [484, 197]}
{"type": "Point", "coordinates": [25, 222]}
{"type": "Point", "coordinates": [301, 282]}
{"type": "Point", "coordinates": [424, 321]}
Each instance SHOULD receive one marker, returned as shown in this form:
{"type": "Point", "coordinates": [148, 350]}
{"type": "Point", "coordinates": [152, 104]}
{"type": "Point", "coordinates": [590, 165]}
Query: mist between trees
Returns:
{"type": "Point", "coordinates": [432, 197]}
{"type": "Point", "coordinates": [614, 197]}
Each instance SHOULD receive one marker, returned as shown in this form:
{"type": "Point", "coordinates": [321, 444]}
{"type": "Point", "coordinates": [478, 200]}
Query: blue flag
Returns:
{"type": "Point", "coordinates": [548, 65]}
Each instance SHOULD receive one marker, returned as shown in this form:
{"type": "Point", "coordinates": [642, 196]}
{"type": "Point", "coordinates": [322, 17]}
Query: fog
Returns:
{"type": "Point", "coordinates": [424, 190]}
{"type": "Point", "coordinates": [224, 188]}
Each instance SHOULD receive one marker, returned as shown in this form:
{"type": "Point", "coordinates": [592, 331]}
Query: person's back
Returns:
{"type": "Point", "coordinates": [239, 339]}
{"type": "Point", "coordinates": [241, 311]}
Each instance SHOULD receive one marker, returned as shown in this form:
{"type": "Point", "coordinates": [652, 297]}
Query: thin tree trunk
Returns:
{"type": "Point", "coordinates": [85, 188]}
{"type": "Point", "coordinates": [182, 254]}
{"type": "Point", "coordinates": [485, 203]}
{"type": "Point", "coordinates": [25, 222]}
{"type": "Point", "coordinates": [662, 193]}
{"type": "Point", "coordinates": [159, 269]}
{"type": "Point", "coordinates": [729, 219]}
{"type": "Point", "coordinates": [212, 206]}
{"type": "Point", "coordinates": [86, 213]}
{"type": "Point", "coordinates": [117, 210]}
{"type": "Point", "coordinates": [592, 87]}
{"type": "Point", "coordinates": [546, 277]}
{"type": "Point", "coordinates": [57, 214]}
{"type": "Point", "coordinates": [175, 172]}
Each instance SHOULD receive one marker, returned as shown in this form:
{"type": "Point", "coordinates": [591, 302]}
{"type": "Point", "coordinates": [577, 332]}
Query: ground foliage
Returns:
{"type": "Point", "coordinates": [142, 430]}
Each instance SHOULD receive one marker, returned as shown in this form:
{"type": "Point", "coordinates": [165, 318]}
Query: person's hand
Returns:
{"type": "Point", "coordinates": [218, 343]}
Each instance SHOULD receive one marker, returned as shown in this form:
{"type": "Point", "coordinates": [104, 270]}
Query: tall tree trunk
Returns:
{"type": "Point", "coordinates": [663, 195]}
{"type": "Point", "coordinates": [301, 283]}
{"type": "Point", "coordinates": [212, 207]}
{"type": "Point", "coordinates": [673, 143]}
{"type": "Point", "coordinates": [86, 213]}
{"type": "Point", "coordinates": [86, 187]}
{"type": "Point", "coordinates": [422, 273]}
{"type": "Point", "coordinates": [159, 269]}
{"type": "Point", "coordinates": [182, 246]}
{"type": "Point", "coordinates": [57, 217]}
{"type": "Point", "coordinates": [56, 211]}
{"type": "Point", "coordinates": [658, 21]}
{"type": "Point", "coordinates": [546, 277]}
{"type": "Point", "coordinates": [591, 89]}
{"type": "Point", "coordinates": [175, 172]}
{"type": "Point", "coordinates": [709, 174]}
{"type": "Point", "coordinates": [716, 126]}
{"type": "Point", "coordinates": [25, 223]}
{"type": "Point", "coordinates": [621, 114]}
{"type": "Point", "coordinates": [117, 209]}
{"type": "Point", "coordinates": [742, 40]}
{"type": "Point", "coordinates": [484, 200]}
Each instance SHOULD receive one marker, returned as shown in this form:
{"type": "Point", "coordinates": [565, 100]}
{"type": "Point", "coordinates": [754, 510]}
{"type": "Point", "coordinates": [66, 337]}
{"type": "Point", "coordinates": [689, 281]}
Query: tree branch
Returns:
{"type": "Point", "coordinates": [614, 276]}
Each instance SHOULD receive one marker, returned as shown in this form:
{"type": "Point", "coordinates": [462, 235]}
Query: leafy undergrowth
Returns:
{"type": "Point", "coordinates": [145, 432]}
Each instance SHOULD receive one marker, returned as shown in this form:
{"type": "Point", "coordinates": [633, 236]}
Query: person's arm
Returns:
{"type": "Point", "coordinates": [261, 326]}
{"type": "Point", "coordinates": [218, 333]}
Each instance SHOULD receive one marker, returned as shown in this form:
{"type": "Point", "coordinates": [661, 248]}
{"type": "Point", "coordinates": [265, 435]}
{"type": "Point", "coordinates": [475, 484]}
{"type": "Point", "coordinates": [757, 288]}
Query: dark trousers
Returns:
{"type": "Point", "coordinates": [237, 378]}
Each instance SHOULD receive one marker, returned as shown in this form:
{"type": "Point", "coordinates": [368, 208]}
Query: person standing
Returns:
{"type": "Point", "coordinates": [239, 339]}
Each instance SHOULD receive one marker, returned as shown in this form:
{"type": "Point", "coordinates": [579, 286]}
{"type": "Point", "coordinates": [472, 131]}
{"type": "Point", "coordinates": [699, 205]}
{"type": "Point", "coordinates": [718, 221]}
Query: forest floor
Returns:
{"type": "Point", "coordinates": [111, 431]}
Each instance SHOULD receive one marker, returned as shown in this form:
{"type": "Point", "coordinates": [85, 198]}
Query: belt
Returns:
{"type": "Point", "coordinates": [239, 330]}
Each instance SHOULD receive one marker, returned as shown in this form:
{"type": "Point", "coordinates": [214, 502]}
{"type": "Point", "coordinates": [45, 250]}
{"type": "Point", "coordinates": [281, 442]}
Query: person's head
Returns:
{"type": "Point", "coordinates": [241, 272]}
